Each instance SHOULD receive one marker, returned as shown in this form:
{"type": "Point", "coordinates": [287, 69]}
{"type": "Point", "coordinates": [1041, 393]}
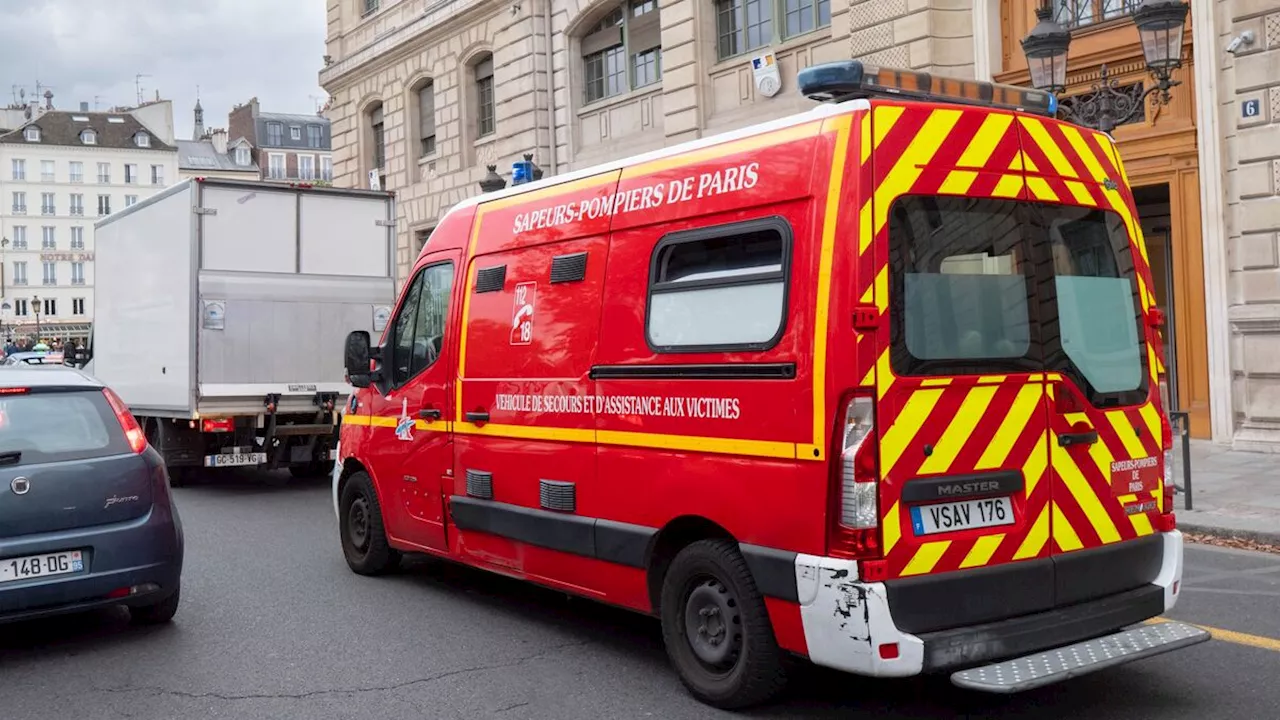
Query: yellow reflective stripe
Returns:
{"type": "Point", "coordinates": [1141, 524]}
{"type": "Point", "coordinates": [1128, 435]}
{"type": "Point", "coordinates": [1037, 463]}
{"type": "Point", "coordinates": [882, 289]}
{"type": "Point", "coordinates": [1152, 418]}
{"type": "Point", "coordinates": [914, 413]}
{"type": "Point", "coordinates": [958, 182]}
{"type": "Point", "coordinates": [1040, 188]}
{"type": "Point", "coordinates": [984, 142]}
{"type": "Point", "coordinates": [865, 233]}
{"type": "Point", "coordinates": [907, 169]}
{"type": "Point", "coordinates": [926, 558]}
{"type": "Point", "coordinates": [1036, 130]}
{"type": "Point", "coordinates": [864, 139]}
{"type": "Point", "coordinates": [1082, 492]}
{"type": "Point", "coordinates": [982, 550]}
{"type": "Point", "coordinates": [892, 528]}
{"type": "Point", "coordinates": [935, 382]}
{"type": "Point", "coordinates": [1034, 542]}
{"type": "Point", "coordinates": [971, 411]}
{"type": "Point", "coordinates": [884, 374]}
{"type": "Point", "coordinates": [1063, 533]}
{"type": "Point", "coordinates": [1008, 186]}
{"type": "Point", "coordinates": [355, 420]}
{"type": "Point", "coordinates": [1081, 193]}
{"type": "Point", "coordinates": [886, 116]}
{"type": "Point", "coordinates": [1024, 404]}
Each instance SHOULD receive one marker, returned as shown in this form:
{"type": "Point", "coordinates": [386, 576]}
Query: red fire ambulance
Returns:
{"type": "Point", "coordinates": [873, 385]}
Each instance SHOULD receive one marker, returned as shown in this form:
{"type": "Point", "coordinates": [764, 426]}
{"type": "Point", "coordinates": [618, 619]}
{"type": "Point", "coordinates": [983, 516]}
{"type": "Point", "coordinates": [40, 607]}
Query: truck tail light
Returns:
{"type": "Point", "coordinates": [211, 425]}
{"type": "Point", "coordinates": [128, 423]}
{"type": "Point", "coordinates": [1167, 521]}
{"type": "Point", "coordinates": [856, 529]}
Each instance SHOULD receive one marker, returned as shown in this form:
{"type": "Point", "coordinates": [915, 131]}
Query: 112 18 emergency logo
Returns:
{"type": "Point", "coordinates": [522, 313]}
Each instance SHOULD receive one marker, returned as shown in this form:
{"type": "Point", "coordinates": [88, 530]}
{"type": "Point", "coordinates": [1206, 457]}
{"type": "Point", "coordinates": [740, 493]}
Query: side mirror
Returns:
{"type": "Point", "coordinates": [356, 359]}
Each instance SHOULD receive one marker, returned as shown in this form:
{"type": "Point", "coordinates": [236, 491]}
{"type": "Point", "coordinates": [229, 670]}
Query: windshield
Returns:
{"type": "Point", "coordinates": [988, 286]}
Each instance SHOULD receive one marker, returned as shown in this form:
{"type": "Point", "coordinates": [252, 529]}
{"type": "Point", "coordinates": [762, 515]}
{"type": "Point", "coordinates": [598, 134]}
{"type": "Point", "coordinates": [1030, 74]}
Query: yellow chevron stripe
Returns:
{"type": "Point", "coordinates": [907, 169]}
{"type": "Point", "coordinates": [882, 289]}
{"type": "Point", "coordinates": [883, 120]}
{"type": "Point", "coordinates": [926, 558]}
{"type": "Point", "coordinates": [935, 382]}
{"type": "Point", "coordinates": [1151, 417]}
{"type": "Point", "coordinates": [958, 182]}
{"type": "Point", "coordinates": [894, 441]}
{"type": "Point", "coordinates": [884, 374]}
{"type": "Point", "coordinates": [1127, 434]}
{"type": "Point", "coordinates": [1142, 523]}
{"type": "Point", "coordinates": [971, 411]}
{"type": "Point", "coordinates": [1063, 533]}
{"type": "Point", "coordinates": [1037, 132]}
{"type": "Point", "coordinates": [1077, 142]}
{"type": "Point", "coordinates": [891, 526]}
{"type": "Point", "coordinates": [1037, 463]}
{"type": "Point", "coordinates": [1034, 542]}
{"type": "Point", "coordinates": [1041, 189]}
{"type": "Point", "coordinates": [864, 139]}
{"type": "Point", "coordinates": [982, 550]}
{"type": "Point", "coordinates": [1081, 193]}
{"type": "Point", "coordinates": [865, 233]}
{"type": "Point", "coordinates": [1028, 165]}
{"type": "Point", "coordinates": [869, 379]}
{"type": "Point", "coordinates": [984, 142]}
{"type": "Point", "coordinates": [1065, 467]}
{"type": "Point", "coordinates": [1009, 186]}
{"type": "Point", "coordinates": [1026, 402]}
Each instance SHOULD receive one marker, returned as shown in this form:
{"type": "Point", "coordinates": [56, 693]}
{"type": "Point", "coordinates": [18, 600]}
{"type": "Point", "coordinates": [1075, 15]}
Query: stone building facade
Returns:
{"type": "Point", "coordinates": [427, 93]}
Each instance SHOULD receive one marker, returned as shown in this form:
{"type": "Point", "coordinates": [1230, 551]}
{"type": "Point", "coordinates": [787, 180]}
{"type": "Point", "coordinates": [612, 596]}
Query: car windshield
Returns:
{"type": "Point", "coordinates": [46, 427]}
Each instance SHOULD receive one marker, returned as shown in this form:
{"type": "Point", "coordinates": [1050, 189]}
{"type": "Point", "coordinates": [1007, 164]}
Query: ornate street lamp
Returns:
{"type": "Point", "coordinates": [35, 305]}
{"type": "Point", "coordinates": [1160, 26]}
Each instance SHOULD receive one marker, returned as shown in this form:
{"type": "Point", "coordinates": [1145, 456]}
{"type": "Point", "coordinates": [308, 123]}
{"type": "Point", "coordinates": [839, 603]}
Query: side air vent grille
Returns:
{"type": "Point", "coordinates": [491, 279]}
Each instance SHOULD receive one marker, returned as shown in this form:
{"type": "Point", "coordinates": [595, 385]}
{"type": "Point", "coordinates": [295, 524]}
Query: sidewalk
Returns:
{"type": "Point", "coordinates": [1234, 493]}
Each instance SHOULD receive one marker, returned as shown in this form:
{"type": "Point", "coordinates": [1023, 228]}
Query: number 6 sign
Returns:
{"type": "Point", "coordinates": [526, 296]}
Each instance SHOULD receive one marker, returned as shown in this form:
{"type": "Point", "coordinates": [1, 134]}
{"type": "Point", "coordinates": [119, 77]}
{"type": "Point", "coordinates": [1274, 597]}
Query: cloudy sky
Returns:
{"type": "Point", "coordinates": [91, 51]}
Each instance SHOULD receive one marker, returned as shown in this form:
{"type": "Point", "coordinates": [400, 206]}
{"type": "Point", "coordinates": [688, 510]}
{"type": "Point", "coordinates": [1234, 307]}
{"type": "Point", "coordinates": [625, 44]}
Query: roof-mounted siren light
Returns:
{"type": "Point", "coordinates": [850, 79]}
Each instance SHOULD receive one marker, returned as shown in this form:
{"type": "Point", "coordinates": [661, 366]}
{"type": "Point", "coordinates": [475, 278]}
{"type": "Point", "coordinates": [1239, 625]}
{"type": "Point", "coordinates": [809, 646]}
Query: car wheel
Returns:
{"type": "Point", "coordinates": [716, 627]}
{"type": "Point", "coordinates": [364, 540]}
{"type": "Point", "coordinates": [159, 613]}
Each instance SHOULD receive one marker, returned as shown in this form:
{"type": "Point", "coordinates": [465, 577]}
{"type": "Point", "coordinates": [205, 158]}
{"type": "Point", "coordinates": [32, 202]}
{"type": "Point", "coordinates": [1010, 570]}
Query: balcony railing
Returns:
{"type": "Point", "coordinates": [1083, 13]}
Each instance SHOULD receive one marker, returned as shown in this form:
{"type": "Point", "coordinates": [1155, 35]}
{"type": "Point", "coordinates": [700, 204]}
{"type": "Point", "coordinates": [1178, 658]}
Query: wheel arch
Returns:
{"type": "Point", "coordinates": [676, 535]}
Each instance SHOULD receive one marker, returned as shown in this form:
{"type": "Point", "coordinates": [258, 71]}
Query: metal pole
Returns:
{"type": "Point", "coordinates": [1185, 430]}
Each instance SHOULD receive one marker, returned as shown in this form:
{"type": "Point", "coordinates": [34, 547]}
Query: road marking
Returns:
{"type": "Point", "coordinates": [1231, 636]}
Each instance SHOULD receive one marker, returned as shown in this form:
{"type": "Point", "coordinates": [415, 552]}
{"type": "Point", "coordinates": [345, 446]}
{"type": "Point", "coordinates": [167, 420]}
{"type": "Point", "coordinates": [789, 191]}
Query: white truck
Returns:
{"type": "Point", "coordinates": [221, 308]}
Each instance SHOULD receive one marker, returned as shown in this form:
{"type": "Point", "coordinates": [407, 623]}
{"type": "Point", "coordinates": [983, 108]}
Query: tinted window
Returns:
{"type": "Point", "coordinates": [433, 313]}
{"type": "Point", "coordinates": [719, 289]}
{"type": "Point", "coordinates": [402, 334]}
{"type": "Point", "coordinates": [1097, 299]}
{"type": "Point", "coordinates": [55, 426]}
{"type": "Point", "coordinates": [961, 286]}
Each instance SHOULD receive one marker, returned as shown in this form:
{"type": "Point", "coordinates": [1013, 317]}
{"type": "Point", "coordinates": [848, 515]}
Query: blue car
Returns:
{"type": "Point", "coordinates": [86, 516]}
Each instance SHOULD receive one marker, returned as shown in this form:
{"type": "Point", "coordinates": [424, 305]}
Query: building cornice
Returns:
{"type": "Point", "coordinates": [436, 18]}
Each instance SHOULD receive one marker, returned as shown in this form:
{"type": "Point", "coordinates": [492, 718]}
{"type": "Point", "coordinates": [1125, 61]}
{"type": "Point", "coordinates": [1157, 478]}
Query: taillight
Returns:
{"type": "Point", "coordinates": [14, 391]}
{"type": "Point", "coordinates": [856, 531]}
{"type": "Point", "coordinates": [210, 425]}
{"type": "Point", "coordinates": [1167, 521]}
{"type": "Point", "coordinates": [132, 431]}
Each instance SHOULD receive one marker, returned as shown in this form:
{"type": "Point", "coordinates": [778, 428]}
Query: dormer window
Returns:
{"type": "Point", "coordinates": [89, 137]}
{"type": "Point", "coordinates": [142, 140]}
{"type": "Point", "coordinates": [32, 133]}
{"type": "Point", "coordinates": [242, 156]}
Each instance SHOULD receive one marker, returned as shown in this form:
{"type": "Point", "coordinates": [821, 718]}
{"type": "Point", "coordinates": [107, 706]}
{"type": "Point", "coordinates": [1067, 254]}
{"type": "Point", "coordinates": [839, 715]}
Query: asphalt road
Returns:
{"type": "Point", "coordinates": [273, 625]}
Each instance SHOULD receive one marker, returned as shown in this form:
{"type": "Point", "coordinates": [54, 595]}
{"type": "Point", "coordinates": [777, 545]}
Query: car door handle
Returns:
{"type": "Point", "coordinates": [478, 417]}
{"type": "Point", "coordinates": [1078, 438]}
{"type": "Point", "coordinates": [429, 414]}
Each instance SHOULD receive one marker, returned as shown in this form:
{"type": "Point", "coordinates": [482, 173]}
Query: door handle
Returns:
{"type": "Point", "coordinates": [429, 414]}
{"type": "Point", "coordinates": [1087, 437]}
{"type": "Point", "coordinates": [478, 417]}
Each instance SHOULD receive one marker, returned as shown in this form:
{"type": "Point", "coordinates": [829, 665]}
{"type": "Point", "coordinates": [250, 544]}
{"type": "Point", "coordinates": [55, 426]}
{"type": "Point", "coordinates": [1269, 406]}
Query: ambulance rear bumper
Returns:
{"type": "Point", "coordinates": [849, 625]}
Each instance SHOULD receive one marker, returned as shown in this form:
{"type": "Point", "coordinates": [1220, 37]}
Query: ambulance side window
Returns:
{"type": "Point", "coordinates": [720, 288]}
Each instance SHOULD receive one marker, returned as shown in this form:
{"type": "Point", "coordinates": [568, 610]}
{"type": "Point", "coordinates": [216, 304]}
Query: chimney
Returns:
{"type": "Point", "coordinates": [48, 99]}
{"type": "Point", "coordinates": [219, 139]}
{"type": "Point", "coordinates": [84, 107]}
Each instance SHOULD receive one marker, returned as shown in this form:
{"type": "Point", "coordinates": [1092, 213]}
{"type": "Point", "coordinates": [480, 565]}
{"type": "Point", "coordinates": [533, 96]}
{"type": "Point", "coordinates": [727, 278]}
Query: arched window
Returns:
{"type": "Point", "coordinates": [378, 136]}
{"type": "Point", "coordinates": [424, 105]}
{"type": "Point", "coordinates": [623, 51]}
{"type": "Point", "coordinates": [745, 25]}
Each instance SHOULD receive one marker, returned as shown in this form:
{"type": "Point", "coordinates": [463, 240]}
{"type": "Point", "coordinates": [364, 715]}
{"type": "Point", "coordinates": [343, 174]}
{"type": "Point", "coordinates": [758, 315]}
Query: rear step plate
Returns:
{"type": "Point", "coordinates": [1070, 661]}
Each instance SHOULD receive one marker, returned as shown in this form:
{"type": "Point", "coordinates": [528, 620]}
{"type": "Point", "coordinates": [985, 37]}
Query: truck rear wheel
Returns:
{"type": "Point", "coordinates": [716, 627]}
{"type": "Point", "coordinates": [364, 539]}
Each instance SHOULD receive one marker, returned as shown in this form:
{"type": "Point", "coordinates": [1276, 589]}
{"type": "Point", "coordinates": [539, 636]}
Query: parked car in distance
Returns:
{"type": "Point", "coordinates": [34, 358]}
{"type": "Point", "coordinates": [86, 516]}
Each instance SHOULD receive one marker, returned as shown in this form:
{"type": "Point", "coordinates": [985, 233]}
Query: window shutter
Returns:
{"type": "Point", "coordinates": [484, 68]}
{"type": "Point", "coordinates": [602, 40]}
{"type": "Point", "coordinates": [644, 33]}
{"type": "Point", "coordinates": [427, 110]}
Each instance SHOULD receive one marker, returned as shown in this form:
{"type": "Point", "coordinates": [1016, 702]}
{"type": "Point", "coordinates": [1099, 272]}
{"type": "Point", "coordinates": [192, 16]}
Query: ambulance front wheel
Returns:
{"type": "Point", "coordinates": [364, 540]}
{"type": "Point", "coordinates": [716, 627]}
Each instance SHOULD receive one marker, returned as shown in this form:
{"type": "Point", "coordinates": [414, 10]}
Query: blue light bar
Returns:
{"type": "Point", "coordinates": [849, 79]}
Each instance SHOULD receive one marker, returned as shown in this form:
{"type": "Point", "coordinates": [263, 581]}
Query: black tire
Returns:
{"type": "Point", "coordinates": [733, 660]}
{"type": "Point", "coordinates": [159, 613]}
{"type": "Point", "coordinates": [364, 540]}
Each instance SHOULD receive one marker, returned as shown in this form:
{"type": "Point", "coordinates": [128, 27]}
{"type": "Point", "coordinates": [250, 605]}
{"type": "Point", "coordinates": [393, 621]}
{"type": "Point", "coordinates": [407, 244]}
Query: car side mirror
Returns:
{"type": "Point", "coordinates": [356, 359]}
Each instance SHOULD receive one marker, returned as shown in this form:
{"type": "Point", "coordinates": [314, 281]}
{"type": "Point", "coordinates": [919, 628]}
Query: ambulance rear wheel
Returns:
{"type": "Point", "coordinates": [364, 540]}
{"type": "Point", "coordinates": [716, 627]}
